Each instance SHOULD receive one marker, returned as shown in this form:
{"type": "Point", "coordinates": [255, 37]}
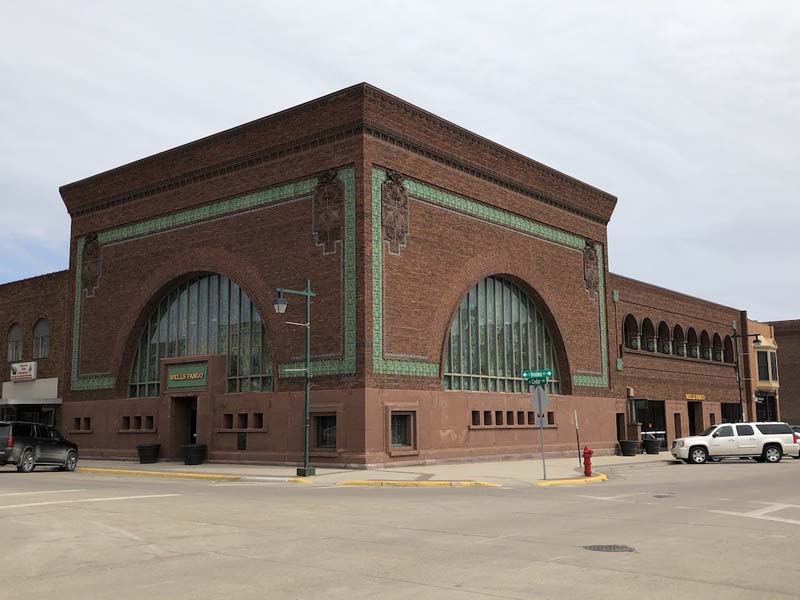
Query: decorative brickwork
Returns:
{"type": "Point", "coordinates": [90, 264]}
{"type": "Point", "coordinates": [328, 213]}
{"type": "Point", "coordinates": [394, 211]}
{"type": "Point", "coordinates": [261, 198]}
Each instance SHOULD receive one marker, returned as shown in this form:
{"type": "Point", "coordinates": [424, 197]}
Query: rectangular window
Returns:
{"type": "Point", "coordinates": [126, 423]}
{"type": "Point", "coordinates": [76, 424]}
{"type": "Point", "coordinates": [14, 350]}
{"type": "Point", "coordinates": [227, 421]}
{"type": "Point", "coordinates": [520, 417]}
{"type": "Point", "coordinates": [258, 420]}
{"type": "Point", "coordinates": [137, 422]}
{"type": "Point", "coordinates": [744, 430]}
{"type": "Point", "coordinates": [551, 417]}
{"type": "Point", "coordinates": [149, 422]}
{"type": "Point", "coordinates": [712, 419]}
{"type": "Point", "coordinates": [487, 417]}
{"type": "Point", "coordinates": [763, 366]}
{"type": "Point", "coordinates": [241, 421]}
{"type": "Point", "coordinates": [402, 430]}
{"type": "Point", "coordinates": [509, 417]}
{"type": "Point", "coordinates": [498, 417]}
{"type": "Point", "coordinates": [476, 417]}
{"type": "Point", "coordinates": [87, 423]}
{"type": "Point", "coordinates": [773, 361]}
{"type": "Point", "coordinates": [531, 418]}
{"type": "Point", "coordinates": [325, 431]}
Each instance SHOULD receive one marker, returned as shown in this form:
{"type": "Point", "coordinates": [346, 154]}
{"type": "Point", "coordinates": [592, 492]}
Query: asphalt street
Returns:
{"type": "Point", "coordinates": [681, 531]}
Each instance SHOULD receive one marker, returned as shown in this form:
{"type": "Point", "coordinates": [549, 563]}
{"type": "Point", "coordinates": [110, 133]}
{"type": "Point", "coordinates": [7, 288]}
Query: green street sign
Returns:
{"type": "Point", "coordinates": [538, 376]}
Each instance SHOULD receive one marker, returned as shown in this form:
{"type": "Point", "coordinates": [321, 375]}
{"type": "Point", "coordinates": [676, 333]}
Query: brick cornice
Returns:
{"type": "Point", "coordinates": [328, 136]}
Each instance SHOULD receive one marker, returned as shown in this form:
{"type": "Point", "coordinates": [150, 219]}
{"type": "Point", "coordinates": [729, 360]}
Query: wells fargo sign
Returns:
{"type": "Point", "coordinates": [189, 375]}
{"type": "Point", "coordinates": [695, 396]}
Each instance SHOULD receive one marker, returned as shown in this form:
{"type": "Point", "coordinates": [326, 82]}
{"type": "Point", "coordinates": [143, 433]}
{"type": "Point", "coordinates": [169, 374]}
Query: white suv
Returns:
{"type": "Point", "coordinates": [766, 442]}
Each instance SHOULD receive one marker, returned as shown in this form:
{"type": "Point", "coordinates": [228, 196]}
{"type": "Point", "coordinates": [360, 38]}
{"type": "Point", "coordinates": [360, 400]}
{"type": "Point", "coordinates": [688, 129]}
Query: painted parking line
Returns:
{"type": "Point", "coordinates": [40, 492]}
{"type": "Point", "coordinates": [82, 500]}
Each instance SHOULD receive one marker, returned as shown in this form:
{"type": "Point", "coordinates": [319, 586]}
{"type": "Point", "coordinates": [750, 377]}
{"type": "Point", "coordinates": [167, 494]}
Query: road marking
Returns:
{"type": "Point", "coordinates": [618, 498]}
{"type": "Point", "coordinates": [764, 514]}
{"type": "Point", "coordinates": [112, 499]}
{"type": "Point", "coordinates": [42, 492]}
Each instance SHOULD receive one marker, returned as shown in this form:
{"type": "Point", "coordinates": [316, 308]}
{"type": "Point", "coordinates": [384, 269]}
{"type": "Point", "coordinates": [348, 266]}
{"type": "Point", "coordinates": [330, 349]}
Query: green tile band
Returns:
{"type": "Point", "coordinates": [490, 214]}
{"type": "Point", "coordinates": [259, 199]}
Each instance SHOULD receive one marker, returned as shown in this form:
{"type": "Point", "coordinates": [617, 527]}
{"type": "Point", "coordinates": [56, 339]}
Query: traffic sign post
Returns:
{"type": "Point", "coordinates": [538, 379]}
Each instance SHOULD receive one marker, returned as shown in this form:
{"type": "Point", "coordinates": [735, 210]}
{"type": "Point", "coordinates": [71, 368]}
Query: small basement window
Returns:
{"type": "Point", "coordinates": [126, 423]}
{"type": "Point", "coordinates": [402, 432]}
{"type": "Point", "coordinates": [241, 422]}
{"type": "Point", "coordinates": [227, 421]}
{"type": "Point", "coordinates": [325, 431]}
{"type": "Point", "coordinates": [258, 420]}
{"type": "Point", "coordinates": [149, 422]}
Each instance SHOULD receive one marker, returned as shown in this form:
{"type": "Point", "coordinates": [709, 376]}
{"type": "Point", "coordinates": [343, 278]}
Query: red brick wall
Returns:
{"type": "Point", "coordinates": [787, 335]}
{"type": "Point", "coordinates": [27, 301]}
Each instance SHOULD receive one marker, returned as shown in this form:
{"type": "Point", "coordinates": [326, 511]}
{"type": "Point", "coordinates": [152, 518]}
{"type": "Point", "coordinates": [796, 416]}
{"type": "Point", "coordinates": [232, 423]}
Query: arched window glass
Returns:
{"type": "Point", "coordinates": [497, 333]}
{"type": "Point", "coordinates": [705, 346]}
{"type": "Point", "coordinates": [15, 343]}
{"type": "Point", "coordinates": [692, 345]}
{"type": "Point", "coordinates": [716, 348]}
{"type": "Point", "coordinates": [630, 332]}
{"type": "Point", "coordinates": [728, 350]}
{"type": "Point", "coordinates": [208, 314]}
{"type": "Point", "coordinates": [41, 339]}
{"type": "Point", "coordinates": [678, 341]}
{"type": "Point", "coordinates": [648, 336]}
{"type": "Point", "coordinates": [664, 339]}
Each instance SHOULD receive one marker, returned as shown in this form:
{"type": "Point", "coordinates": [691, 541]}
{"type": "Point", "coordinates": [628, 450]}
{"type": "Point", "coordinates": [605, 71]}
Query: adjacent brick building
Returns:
{"type": "Point", "coordinates": [443, 265]}
{"type": "Point", "coordinates": [787, 336]}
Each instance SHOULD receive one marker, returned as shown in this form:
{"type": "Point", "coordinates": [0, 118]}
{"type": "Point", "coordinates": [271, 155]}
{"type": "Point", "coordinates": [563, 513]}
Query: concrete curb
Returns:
{"type": "Point", "coordinates": [403, 483]}
{"type": "Point", "coordinates": [573, 480]}
{"type": "Point", "coordinates": [174, 474]}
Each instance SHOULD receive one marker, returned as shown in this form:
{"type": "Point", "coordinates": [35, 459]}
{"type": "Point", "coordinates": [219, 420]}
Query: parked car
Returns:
{"type": "Point", "coordinates": [27, 445]}
{"type": "Point", "coordinates": [796, 429]}
{"type": "Point", "coordinates": [766, 442]}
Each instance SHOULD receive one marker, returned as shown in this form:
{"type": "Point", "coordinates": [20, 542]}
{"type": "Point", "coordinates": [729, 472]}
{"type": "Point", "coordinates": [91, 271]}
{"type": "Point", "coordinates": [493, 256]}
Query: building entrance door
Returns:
{"type": "Point", "coordinates": [184, 423]}
{"type": "Point", "coordinates": [651, 414]}
{"type": "Point", "coordinates": [695, 417]}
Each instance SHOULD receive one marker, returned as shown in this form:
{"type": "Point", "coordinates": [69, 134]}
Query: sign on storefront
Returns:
{"type": "Point", "coordinates": [188, 375]}
{"type": "Point", "coordinates": [24, 371]}
{"type": "Point", "coordinates": [695, 396]}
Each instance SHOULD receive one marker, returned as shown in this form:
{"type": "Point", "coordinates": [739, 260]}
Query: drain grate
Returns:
{"type": "Point", "coordinates": [609, 548]}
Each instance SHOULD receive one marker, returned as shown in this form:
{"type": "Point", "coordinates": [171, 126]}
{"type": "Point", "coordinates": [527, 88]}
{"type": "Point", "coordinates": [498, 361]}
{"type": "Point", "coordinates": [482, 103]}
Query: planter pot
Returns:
{"type": "Point", "coordinates": [148, 453]}
{"type": "Point", "coordinates": [652, 446]}
{"type": "Point", "coordinates": [629, 447]}
{"type": "Point", "coordinates": [194, 454]}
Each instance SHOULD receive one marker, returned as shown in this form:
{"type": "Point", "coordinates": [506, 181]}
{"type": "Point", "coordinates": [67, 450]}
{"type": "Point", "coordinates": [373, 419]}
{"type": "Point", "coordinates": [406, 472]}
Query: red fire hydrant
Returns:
{"type": "Point", "coordinates": [587, 461]}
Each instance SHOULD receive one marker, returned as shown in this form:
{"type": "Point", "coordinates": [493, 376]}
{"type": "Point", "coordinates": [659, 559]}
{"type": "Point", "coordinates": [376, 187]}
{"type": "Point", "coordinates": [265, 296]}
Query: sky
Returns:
{"type": "Point", "coordinates": [688, 112]}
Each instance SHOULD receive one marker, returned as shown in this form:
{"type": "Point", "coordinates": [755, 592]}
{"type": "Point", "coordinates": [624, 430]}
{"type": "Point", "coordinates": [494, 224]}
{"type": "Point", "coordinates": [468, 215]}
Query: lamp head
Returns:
{"type": "Point", "coordinates": [280, 303]}
{"type": "Point", "coordinates": [757, 341]}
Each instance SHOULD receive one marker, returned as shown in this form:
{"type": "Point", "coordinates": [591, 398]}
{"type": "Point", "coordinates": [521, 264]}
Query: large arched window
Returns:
{"type": "Point", "coordinates": [207, 314]}
{"type": "Point", "coordinates": [630, 332]}
{"type": "Point", "coordinates": [15, 343]}
{"type": "Point", "coordinates": [497, 333]}
{"type": "Point", "coordinates": [41, 339]}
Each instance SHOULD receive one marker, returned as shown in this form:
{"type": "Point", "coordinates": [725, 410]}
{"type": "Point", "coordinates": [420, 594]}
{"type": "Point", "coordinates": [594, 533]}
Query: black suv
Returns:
{"type": "Point", "coordinates": [29, 444]}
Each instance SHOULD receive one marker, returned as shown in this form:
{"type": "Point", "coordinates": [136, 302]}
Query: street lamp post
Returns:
{"type": "Point", "coordinates": [756, 344]}
{"type": "Point", "coordinates": [280, 305]}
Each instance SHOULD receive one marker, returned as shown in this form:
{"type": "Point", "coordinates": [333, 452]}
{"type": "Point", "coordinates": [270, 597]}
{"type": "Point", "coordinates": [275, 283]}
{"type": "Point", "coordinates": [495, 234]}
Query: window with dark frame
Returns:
{"type": "Point", "coordinates": [763, 365]}
{"type": "Point", "coordinates": [773, 359]}
{"type": "Point", "coordinates": [402, 425]}
{"type": "Point", "coordinates": [15, 343]}
{"type": "Point", "coordinates": [325, 431]}
{"type": "Point", "coordinates": [41, 339]}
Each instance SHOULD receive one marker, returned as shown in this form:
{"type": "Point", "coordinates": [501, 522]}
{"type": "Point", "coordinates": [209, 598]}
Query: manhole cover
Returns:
{"type": "Point", "coordinates": [609, 548]}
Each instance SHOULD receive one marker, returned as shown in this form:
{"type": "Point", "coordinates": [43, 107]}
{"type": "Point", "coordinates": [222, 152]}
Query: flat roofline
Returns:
{"type": "Point", "coordinates": [218, 134]}
{"type": "Point", "coordinates": [32, 277]}
{"type": "Point", "coordinates": [362, 86]}
{"type": "Point", "coordinates": [664, 289]}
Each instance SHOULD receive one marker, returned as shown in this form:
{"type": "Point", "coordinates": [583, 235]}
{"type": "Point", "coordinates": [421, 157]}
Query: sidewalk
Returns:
{"type": "Point", "coordinates": [509, 472]}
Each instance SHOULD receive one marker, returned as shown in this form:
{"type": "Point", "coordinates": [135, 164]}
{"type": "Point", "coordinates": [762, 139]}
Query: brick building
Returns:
{"type": "Point", "coordinates": [443, 265]}
{"type": "Point", "coordinates": [787, 337]}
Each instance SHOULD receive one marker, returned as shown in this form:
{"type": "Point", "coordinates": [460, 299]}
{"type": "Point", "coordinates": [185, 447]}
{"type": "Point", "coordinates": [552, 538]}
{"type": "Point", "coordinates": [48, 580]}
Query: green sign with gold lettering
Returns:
{"type": "Point", "coordinates": [187, 375]}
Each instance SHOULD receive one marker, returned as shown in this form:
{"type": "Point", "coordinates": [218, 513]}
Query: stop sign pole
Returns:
{"type": "Point", "coordinates": [540, 401]}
